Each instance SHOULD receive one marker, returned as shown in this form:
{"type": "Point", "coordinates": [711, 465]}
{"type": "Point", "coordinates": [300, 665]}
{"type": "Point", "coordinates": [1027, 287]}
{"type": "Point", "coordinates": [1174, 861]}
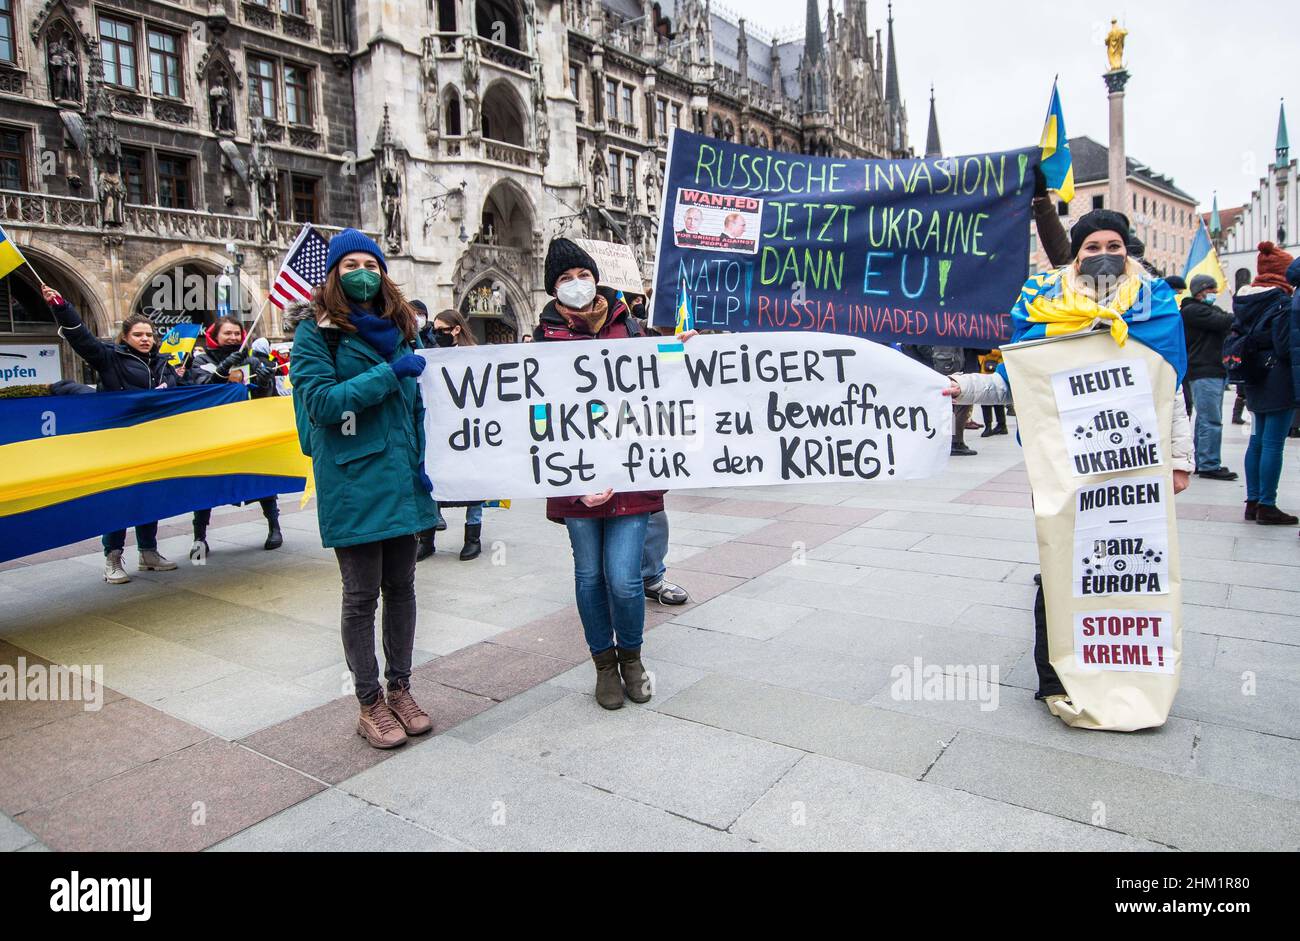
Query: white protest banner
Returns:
{"type": "Point", "coordinates": [617, 264]}
{"type": "Point", "coordinates": [1096, 421]}
{"type": "Point", "coordinates": [574, 418]}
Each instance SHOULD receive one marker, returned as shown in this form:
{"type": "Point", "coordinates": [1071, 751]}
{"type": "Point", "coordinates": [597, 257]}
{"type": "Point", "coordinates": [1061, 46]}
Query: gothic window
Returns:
{"type": "Point", "coordinates": [729, 133]}
{"type": "Point", "coordinates": [117, 51]}
{"type": "Point", "coordinates": [615, 176]}
{"type": "Point", "coordinates": [503, 117]}
{"type": "Point", "coordinates": [135, 175]}
{"type": "Point", "coordinates": [293, 7]}
{"type": "Point", "coordinates": [575, 82]}
{"type": "Point", "coordinates": [661, 115]}
{"type": "Point", "coordinates": [13, 159]}
{"type": "Point", "coordinates": [498, 21]}
{"type": "Point", "coordinates": [629, 116]}
{"type": "Point", "coordinates": [174, 186]}
{"type": "Point", "coordinates": [261, 88]}
{"type": "Point", "coordinates": [8, 48]}
{"type": "Point", "coordinates": [451, 113]}
{"type": "Point", "coordinates": [717, 127]}
{"type": "Point", "coordinates": [164, 64]}
{"type": "Point", "coordinates": [611, 99]}
{"type": "Point", "coordinates": [446, 16]}
{"type": "Point", "coordinates": [629, 162]}
{"type": "Point", "coordinates": [297, 94]}
{"type": "Point", "coordinates": [677, 115]}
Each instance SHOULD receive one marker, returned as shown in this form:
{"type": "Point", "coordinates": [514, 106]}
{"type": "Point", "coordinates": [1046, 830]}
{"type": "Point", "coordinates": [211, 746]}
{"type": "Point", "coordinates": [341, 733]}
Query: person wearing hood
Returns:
{"type": "Point", "coordinates": [221, 357]}
{"type": "Point", "coordinates": [361, 421]}
{"type": "Point", "coordinates": [1206, 326]}
{"type": "Point", "coordinates": [451, 329]}
{"type": "Point", "coordinates": [1102, 285]}
{"type": "Point", "coordinates": [131, 363]}
{"type": "Point", "coordinates": [1264, 312]}
{"type": "Point", "coordinates": [606, 530]}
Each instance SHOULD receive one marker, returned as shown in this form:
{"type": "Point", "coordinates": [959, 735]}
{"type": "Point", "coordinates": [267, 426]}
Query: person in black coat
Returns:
{"type": "Point", "coordinates": [131, 363]}
{"type": "Point", "coordinates": [1206, 326]}
{"type": "Point", "coordinates": [1264, 312]}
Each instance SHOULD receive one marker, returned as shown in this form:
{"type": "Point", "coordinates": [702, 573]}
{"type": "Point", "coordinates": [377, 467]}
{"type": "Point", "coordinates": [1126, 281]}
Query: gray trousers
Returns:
{"type": "Point", "coordinates": [369, 570]}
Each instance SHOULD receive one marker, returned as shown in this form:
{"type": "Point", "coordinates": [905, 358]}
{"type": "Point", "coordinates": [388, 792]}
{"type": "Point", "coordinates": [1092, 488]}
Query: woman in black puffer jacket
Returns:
{"type": "Point", "coordinates": [131, 363]}
{"type": "Point", "coordinates": [221, 357]}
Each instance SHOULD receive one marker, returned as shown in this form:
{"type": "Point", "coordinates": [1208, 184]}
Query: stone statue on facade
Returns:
{"type": "Point", "coordinates": [470, 74]}
{"type": "Point", "coordinates": [1115, 46]}
{"type": "Point", "coordinates": [261, 173]}
{"type": "Point", "coordinates": [432, 103]}
{"type": "Point", "coordinates": [391, 188]}
{"type": "Point", "coordinates": [64, 70]}
{"type": "Point", "coordinates": [220, 110]}
{"type": "Point", "coordinates": [599, 178]}
{"type": "Point", "coordinates": [112, 196]}
{"type": "Point", "coordinates": [653, 180]}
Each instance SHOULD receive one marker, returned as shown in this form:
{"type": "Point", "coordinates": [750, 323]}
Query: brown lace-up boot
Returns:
{"type": "Point", "coordinates": [414, 719]}
{"type": "Point", "coordinates": [378, 726]}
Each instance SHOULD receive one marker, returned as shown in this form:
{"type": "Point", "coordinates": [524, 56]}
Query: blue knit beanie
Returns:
{"type": "Point", "coordinates": [349, 241]}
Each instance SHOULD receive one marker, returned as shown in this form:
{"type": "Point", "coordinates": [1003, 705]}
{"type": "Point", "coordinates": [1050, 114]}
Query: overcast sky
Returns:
{"type": "Point", "coordinates": [1201, 106]}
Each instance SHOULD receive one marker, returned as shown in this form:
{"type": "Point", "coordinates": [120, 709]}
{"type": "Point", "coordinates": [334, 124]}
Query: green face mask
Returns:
{"type": "Point", "coordinates": [360, 285]}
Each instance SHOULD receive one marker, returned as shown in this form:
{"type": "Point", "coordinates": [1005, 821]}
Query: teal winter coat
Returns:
{"type": "Point", "coordinates": [363, 428]}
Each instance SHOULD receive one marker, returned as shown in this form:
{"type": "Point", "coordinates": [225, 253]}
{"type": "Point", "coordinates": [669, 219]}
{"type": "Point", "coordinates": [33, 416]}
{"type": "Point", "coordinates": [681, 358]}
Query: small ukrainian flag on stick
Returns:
{"type": "Point", "coordinates": [1057, 164]}
{"type": "Point", "coordinates": [11, 258]}
{"type": "Point", "coordinates": [685, 313]}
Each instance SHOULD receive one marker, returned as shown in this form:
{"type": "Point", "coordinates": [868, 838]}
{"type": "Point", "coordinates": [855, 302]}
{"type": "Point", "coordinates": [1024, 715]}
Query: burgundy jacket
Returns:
{"type": "Point", "coordinates": [620, 324]}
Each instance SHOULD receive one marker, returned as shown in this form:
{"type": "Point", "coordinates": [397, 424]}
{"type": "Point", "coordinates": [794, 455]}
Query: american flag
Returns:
{"type": "Point", "coordinates": [303, 269]}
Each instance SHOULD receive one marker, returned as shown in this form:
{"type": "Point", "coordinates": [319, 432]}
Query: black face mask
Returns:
{"type": "Point", "coordinates": [444, 339]}
{"type": "Point", "coordinates": [1103, 266]}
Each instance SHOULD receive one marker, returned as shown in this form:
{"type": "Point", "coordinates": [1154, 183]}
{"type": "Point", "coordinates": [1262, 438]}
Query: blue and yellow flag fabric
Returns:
{"type": "Point", "coordinates": [10, 256]}
{"type": "Point", "coordinates": [1143, 309]}
{"type": "Point", "coordinates": [1057, 164]}
{"type": "Point", "coordinates": [179, 341]}
{"type": "Point", "coordinates": [77, 466]}
{"type": "Point", "coordinates": [1203, 259]}
{"type": "Point", "coordinates": [685, 313]}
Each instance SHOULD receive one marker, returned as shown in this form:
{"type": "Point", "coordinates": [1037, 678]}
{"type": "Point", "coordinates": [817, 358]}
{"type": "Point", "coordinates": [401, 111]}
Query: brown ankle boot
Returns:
{"type": "Point", "coordinates": [1252, 509]}
{"type": "Point", "coordinates": [414, 719]}
{"type": "Point", "coordinates": [378, 726]}
{"type": "Point", "coordinates": [635, 679]}
{"type": "Point", "coordinates": [1271, 516]}
{"type": "Point", "coordinates": [609, 688]}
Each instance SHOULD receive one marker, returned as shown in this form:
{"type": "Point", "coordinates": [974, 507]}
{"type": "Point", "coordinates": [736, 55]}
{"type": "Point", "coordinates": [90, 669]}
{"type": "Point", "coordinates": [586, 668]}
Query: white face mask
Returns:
{"type": "Point", "coordinates": [1211, 298]}
{"type": "Point", "coordinates": [576, 294]}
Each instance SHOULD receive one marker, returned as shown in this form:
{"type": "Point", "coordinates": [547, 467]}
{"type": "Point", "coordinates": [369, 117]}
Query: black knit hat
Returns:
{"type": "Point", "coordinates": [1175, 282]}
{"type": "Point", "coordinates": [563, 255]}
{"type": "Point", "coordinates": [1099, 220]}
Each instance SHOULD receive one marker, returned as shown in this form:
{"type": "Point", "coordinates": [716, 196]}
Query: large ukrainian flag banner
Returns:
{"type": "Point", "coordinates": [77, 466]}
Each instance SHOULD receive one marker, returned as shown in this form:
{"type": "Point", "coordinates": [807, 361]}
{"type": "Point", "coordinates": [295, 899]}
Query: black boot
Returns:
{"type": "Point", "coordinates": [424, 545]}
{"type": "Point", "coordinates": [274, 538]}
{"type": "Point", "coordinates": [472, 545]}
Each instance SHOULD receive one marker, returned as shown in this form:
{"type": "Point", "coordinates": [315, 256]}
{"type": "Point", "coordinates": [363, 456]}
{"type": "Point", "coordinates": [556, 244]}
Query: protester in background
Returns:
{"type": "Point", "coordinates": [450, 328]}
{"type": "Point", "coordinates": [131, 363]}
{"type": "Point", "coordinates": [607, 530]}
{"type": "Point", "coordinates": [1205, 327]}
{"type": "Point", "coordinates": [951, 360]}
{"type": "Point", "coordinates": [361, 420]}
{"type": "Point", "coordinates": [654, 565]}
{"type": "Point", "coordinates": [218, 359]}
{"type": "Point", "coordinates": [995, 416]}
{"type": "Point", "coordinates": [1263, 312]}
{"type": "Point", "coordinates": [1100, 272]}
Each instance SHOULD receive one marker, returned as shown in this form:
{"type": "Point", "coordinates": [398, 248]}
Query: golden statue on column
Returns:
{"type": "Point", "coordinates": [1115, 45]}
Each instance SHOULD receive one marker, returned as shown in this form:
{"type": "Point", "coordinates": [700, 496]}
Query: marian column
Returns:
{"type": "Point", "coordinates": [1116, 79]}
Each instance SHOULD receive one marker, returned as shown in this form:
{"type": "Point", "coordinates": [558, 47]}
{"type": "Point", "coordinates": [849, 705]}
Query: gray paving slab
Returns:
{"type": "Point", "coordinates": [875, 738]}
{"type": "Point", "coordinates": [1252, 761]}
{"type": "Point", "coordinates": [13, 836]}
{"type": "Point", "coordinates": [841, 676]}
{"type": "Point", "coordinates": [1170, 809]}
{"type": "Point", "coordinates": [825, 804]}
{"type": "Point", "coordinates": [938, 607]}
{"type": "Point", "coordinates": [746, 617]}
{"type": "Point", "coordinates": [1263, 703]}
{"type": "Point", "coordinates": [492, 801]}
{"type": "Point", "coordinates": [506, 713]}
{"type": "Point", "coordinates": [334, 821]}
{"type": "Point", "coordinates": [1237, 655]}
{"type": "Point", "coordinates": [241, 703]}
{"type": "Point", "coordinates": [1249, 625]}
{"type": "Point", "coordinates": [695, 771]}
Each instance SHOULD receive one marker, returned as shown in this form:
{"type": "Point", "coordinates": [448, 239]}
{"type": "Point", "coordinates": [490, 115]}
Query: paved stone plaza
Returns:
{"type": "Point", "coordinates": [225, 723]}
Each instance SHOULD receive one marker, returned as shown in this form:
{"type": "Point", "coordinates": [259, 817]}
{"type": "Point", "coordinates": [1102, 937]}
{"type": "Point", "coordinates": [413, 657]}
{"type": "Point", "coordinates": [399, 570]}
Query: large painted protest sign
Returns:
{"type": "Point", "coordinates": [926, 251]}
{"type": "Point", "coordinates": [1096, 421]}
{"type": "Point", "coordinates": [567, 419]}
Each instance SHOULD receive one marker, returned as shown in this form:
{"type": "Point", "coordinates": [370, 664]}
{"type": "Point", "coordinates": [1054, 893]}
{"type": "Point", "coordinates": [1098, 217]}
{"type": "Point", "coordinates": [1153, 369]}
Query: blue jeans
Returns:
{"type": "Point", "coordinates": [607, 579]}
{"type": "Point", "coordinates": [1268, 433]}
{"type": "Point", "coordinates": [473, 514]}
{"type": "Point", "coordinates": [1207, 405]}
{"type": "Point", "coordinates": [146, 537]}
{"type": "Point", "coordinates": [653, 567]}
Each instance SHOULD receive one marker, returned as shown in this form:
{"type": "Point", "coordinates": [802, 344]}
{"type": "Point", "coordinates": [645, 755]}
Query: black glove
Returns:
{"type": "Point", "coordinates": [233, 361]}
{"type": "Point", "coordinates": [1040, 182]}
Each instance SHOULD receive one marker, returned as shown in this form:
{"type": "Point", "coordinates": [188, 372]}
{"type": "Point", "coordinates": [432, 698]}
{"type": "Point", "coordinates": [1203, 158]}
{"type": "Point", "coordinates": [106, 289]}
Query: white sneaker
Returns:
{"type": "Point", "coordinates": [114, 573]}
{"type": "Point", "coordinates": [151, 561]}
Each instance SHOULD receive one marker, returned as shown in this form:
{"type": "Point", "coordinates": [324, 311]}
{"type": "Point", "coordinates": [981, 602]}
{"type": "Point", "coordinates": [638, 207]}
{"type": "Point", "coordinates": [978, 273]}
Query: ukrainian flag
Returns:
{"type": "Point", "coordinates": [1203, 259]}
{"type": "Point", "coordinates": [10, 256]}
{"type": "Point", "coordinates": [1057, 164]}
{"type": "Point", "coordinates": [685, 313]}
{"type": "Point", "coordinates": [119, 459]}
{"type": "Point", "coordinates": [179, 341]}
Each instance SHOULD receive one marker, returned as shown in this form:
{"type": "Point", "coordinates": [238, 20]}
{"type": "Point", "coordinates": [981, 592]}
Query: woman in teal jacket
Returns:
{"type": "Point", "coordinates": [360, 419]}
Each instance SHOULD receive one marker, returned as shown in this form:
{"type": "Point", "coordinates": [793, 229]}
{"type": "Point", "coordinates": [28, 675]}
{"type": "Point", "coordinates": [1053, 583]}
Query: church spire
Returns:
{"type": "Point", "coordinates": [932, 146]}
{"type": "Point", "coordinates": [1216, 224]}
{"type": "Point", "coordinates": [1283, 143]}
{"type": "Point", "coordinates": [891, 76]}
{"type": "Point", "coordinates": [812, 35]}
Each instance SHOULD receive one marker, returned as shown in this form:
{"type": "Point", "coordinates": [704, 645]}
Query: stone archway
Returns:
{"type": "Point", "coordinates": [496, 307]}
{"type": "Point", "coordinates": [183, 285]}
{"type": "Point", "coordinates": [26, 321]}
